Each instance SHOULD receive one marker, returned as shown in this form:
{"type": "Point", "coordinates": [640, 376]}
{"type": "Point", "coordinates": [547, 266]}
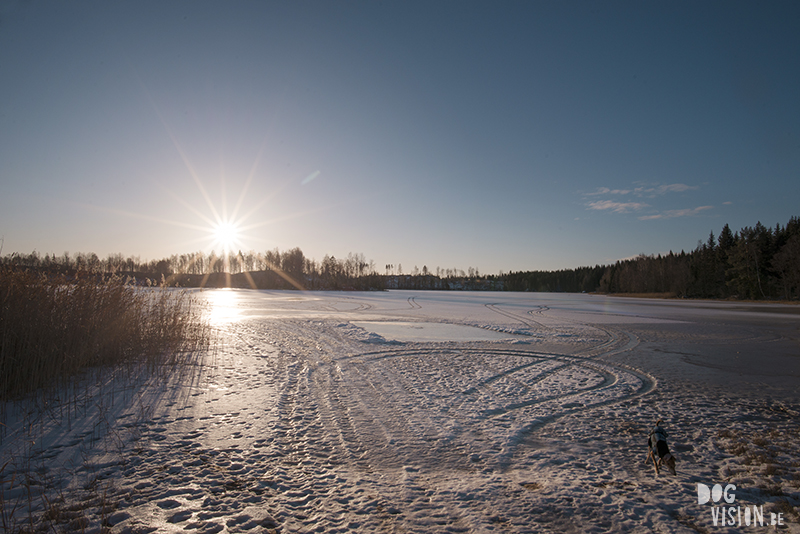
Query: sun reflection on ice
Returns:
{"type": "Point", "coordinates": [223, 306]}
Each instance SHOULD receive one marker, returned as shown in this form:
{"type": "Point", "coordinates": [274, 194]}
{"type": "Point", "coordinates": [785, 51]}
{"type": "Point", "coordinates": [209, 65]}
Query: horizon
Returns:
{"type": "Point", "coordinates": [520, 137]}
{"type": "Point", "coordinates": [387, 269]}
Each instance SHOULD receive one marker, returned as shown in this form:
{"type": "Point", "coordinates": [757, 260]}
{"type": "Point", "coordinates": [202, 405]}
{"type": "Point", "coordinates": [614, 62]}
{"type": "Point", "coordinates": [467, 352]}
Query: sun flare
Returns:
{"type": "Point", "coordinates": [226, 236]}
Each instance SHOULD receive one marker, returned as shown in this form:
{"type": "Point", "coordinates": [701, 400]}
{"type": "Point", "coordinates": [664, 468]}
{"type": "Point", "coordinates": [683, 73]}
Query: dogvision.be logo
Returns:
{"type": "Point", "coordinates": [728, 515]}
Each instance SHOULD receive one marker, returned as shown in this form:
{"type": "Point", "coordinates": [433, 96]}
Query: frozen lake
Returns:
{"type": "Point", "coordinates": [747, 344]}
{"type": "Point", "coordinates": [456, 412]}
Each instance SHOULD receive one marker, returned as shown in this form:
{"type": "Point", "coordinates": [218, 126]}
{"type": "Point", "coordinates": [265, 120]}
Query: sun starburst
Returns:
{"type": "Point", "coordinates": [226, 236]}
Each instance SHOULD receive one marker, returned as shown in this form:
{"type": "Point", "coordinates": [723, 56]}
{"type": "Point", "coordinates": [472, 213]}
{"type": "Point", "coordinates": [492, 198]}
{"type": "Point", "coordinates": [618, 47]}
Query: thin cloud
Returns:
{"type": "Point", "coordinates": [607, 191]}
{"type": "Point", "coordinates": [652, 192]}
{"type": "Point", "coordinates": [641, 191]}
{"type": "Point", "coordinates": [671, 214]}
{"type": "Point", "coordinates": [617, 207]}
{"type": "Point", "coordinates": [674, 188]}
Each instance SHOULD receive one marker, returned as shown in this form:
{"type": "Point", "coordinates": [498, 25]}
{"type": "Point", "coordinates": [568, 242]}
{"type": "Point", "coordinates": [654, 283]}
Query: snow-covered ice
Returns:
{"type": "Point", "coordinates": [427, 412]}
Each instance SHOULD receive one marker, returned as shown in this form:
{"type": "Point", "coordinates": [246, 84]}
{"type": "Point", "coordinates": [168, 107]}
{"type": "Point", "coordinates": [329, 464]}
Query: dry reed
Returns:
{"type": "Point", "coordinates": [52, 328]}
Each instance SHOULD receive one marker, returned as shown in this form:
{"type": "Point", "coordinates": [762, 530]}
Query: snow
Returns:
{"type": "Point", "coordinates": [424, 331]}
{"type": "Point", "coordinates": [426, 412]}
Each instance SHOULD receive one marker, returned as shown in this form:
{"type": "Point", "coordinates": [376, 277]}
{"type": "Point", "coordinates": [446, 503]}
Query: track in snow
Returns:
{"type": "Point", "coordinates": [453, 406]}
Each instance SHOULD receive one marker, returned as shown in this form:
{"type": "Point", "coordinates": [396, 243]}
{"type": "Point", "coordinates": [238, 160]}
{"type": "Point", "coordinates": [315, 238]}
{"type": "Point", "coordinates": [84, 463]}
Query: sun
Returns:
{"type": "Point", "coordinates": [226, 236]}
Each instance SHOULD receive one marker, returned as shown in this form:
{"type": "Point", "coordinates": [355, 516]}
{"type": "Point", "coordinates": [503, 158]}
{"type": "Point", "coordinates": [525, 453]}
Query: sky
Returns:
{"type": "Point", "coordinates": [504, 136]}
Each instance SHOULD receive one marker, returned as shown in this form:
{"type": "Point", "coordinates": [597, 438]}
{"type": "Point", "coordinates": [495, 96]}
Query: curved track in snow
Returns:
{"type": "Point", "coordinates": [407, 406]}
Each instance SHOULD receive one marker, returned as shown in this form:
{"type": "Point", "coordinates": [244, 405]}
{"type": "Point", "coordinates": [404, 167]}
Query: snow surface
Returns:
{"type": "Point", "coordinates": [425, 412]}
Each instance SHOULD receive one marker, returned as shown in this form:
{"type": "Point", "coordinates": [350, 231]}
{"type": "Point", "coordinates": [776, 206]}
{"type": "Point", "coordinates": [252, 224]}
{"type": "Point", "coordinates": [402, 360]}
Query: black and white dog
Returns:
{"type": "Point", "coordinates": [658, 450]}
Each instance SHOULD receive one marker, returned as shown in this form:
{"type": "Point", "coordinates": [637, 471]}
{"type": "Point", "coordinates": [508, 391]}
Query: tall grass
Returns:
{"type": "Point", "coordinates": [52, 328]}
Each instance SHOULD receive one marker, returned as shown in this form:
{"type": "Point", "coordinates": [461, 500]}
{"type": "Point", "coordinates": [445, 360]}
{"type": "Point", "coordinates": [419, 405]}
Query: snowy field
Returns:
{"type": "Point", "coordinates": [428, 412]}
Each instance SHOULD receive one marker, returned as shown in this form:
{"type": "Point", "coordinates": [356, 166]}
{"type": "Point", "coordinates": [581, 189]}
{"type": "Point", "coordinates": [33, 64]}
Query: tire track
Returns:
{"type": "Point", "coordinates": [442, 418]}
{"type": "Point", "coordinates": [410, 410]}
{"type": "Point", "coordinates": [335, 417]}
{"type": "Point", "coordinates": [619, 340]}
{"type": "Point", "coordinates": [429, 407]}
{"type": "Point", "coordinates": [566, 361]}
{"type": "Point", "coordinates": [526, 321]}
{"type": "Point", "coordinates": [358, 303]}
{"type": "Point", "coordinates": [425, 404]}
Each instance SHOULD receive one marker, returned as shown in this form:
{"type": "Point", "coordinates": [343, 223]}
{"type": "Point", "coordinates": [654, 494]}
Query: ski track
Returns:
{"type": "Point", "coordinates": [294, 426]}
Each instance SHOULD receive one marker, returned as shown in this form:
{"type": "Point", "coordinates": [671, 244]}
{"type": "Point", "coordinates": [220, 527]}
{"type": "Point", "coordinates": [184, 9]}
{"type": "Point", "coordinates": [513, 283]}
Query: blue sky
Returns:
{"type": "Point", "coordinates": [497, 135]}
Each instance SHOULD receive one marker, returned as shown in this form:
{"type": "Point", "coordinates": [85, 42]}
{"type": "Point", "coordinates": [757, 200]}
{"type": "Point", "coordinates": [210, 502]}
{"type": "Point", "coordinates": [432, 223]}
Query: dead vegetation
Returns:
{"type": "Point", "coordinates": [52, 328]}
{"type": "Point", "coordinates": [71, 348]}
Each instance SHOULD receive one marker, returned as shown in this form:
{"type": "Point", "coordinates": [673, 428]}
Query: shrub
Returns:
{"type": "Point", "coordinates": [52, 328]}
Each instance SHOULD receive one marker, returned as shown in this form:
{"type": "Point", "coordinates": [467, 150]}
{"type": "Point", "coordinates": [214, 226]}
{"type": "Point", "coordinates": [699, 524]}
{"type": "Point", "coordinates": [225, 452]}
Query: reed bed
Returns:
{"type": "Point", "coordinates": [52, 328]}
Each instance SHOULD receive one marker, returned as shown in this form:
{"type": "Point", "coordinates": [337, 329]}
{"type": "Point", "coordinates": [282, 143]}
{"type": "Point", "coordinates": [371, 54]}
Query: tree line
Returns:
{"type": "Point", "coordinates": [273, 269]}
{"type": "Point", "coordinates": [754, 263]}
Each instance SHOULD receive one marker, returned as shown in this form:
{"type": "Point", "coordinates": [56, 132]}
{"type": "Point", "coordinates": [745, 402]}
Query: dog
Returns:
{"type": "Point", "coordinates": [658, 450]}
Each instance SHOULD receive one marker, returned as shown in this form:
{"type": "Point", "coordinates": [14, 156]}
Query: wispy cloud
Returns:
{"type": "Point", "coordinates": [617, 203]}
{"type": "Point", "coordinates": [607, 191]}
{"type": "Point", "coordinates": [650, 190]}
{"type": "Point", "coordinates": [673, 188]}
{"type": "Point", "coordinates": [671, 214]}
{"type": "Point", "coordinates": [617, 207]}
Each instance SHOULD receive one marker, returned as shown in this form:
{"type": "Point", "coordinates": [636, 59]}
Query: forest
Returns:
{"type": "Point", "coordinates": [754, 263]}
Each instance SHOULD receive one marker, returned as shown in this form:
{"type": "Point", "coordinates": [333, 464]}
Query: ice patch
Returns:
{"type": "Point", "coordinates": [358, 333]}
{"type": "Point", "coordinates": [429, 332]}
{"type": "Point", "coordinates": [505, 329]}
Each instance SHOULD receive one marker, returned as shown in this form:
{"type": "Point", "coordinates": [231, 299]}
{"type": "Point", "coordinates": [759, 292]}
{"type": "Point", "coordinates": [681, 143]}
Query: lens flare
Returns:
{"type": "Point", "coordinates": [226, 236]}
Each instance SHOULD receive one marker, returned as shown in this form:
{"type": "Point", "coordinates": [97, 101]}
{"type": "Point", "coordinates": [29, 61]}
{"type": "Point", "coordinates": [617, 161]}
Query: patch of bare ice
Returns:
{"type": "Point", "coordinates": [423, 332]}
{"type": "Point", "coordinates": [363, 335]}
